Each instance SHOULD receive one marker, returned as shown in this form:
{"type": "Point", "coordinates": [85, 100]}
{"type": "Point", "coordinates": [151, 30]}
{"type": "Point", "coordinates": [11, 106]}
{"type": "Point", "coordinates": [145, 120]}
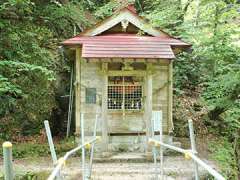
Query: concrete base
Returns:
{"type": "Point", "coordinates": [134, 144]}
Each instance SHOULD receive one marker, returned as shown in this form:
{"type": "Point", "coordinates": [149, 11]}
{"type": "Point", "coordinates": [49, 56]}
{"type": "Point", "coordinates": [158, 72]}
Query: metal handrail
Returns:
{"type": "Point", "coordinates": [61, 161]}
{"type": "Point", "coordinates": [189, 154]}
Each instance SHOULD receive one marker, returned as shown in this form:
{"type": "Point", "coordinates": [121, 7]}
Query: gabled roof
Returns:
{"type": "Point", "coordinates": [128, 14]}
{"type": "Point", "coordinates": [96, 44]}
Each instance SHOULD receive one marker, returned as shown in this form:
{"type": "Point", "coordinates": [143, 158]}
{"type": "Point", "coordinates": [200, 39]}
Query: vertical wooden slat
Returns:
{"type": "Point", "coordinates": [148, 102]}
{"type": "Point", "coordinates": [78, 90]}
{"type": "Point", "coordinates": [104, 108]}
{"type": "Point", "coordinates": [170, 97]}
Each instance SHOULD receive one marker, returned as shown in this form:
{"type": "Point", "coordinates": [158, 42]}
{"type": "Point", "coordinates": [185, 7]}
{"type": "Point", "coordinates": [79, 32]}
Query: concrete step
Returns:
{"type": "Point", "coordinates": [124, 157]}
{"type": "Point", "coordinates": [174, 168]}
{"type": "Point", "coordinates": [130, 157]}
{"type": "Point", "coordinates": [128, 177]}
{"type": "Point", "coordinates": [129, 171]}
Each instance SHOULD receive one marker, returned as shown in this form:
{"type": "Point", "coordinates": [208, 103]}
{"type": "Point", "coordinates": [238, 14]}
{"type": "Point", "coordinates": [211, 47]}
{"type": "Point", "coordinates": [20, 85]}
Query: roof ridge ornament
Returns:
{"type": "Point", "coordinates": [124, 24]}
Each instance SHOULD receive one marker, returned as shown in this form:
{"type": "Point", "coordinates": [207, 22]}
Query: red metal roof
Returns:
{"type": "Point", "coordinates": [92, 50]}
{"type": "Point", "coordinates": [126, 46]}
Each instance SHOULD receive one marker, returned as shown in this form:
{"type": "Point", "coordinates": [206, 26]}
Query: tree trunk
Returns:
{"type": "Point", "coordinates": [237, 152]}
{"type": "Point", "coordinates": [197, 13]}
{"type": "Point", "coordinates": [184, 9]}
{"type": "Point", "coordinates": [215, 30]}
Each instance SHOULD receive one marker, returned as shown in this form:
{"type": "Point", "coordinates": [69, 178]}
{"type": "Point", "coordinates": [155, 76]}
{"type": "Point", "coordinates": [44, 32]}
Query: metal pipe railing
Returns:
{"type": "Point", "coordinates": [193, 146]}
{"type": "Point", "coordinates": [92, 148]}
{"type": "Point", "coordinates": [83, 148]}
{"type": "Point", "coordinates": [161, 149]}
{"type": "Point", "coordinates": [213, 172]}
{"type": "Point", "coordinates": [189, 154]}
{"type": "Point", "coordinates": [62, 160]}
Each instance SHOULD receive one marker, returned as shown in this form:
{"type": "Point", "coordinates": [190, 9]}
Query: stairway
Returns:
{"type": "Point", "coordinates": [131, 166]}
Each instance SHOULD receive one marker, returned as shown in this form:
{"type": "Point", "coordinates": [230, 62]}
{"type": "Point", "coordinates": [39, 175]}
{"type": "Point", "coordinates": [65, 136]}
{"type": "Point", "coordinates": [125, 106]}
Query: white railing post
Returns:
{"type": "Point", "coordinates": [51, 146]}
{"type": "Point", "coordinates": [213, 172]}
{"type": "Point", "coordinates": [61, 162]}
{"type": "Point", "coordinates": [7, 161]}
{"type": "Point", "coordinates": [193, 146]}
{"type": "Point", "coordinates": [92, 147]}
{"type": "Point", "coordinates": [50, 142]}
{"type": "Point", "coordinates": [154, 150]}
{"type": "Point", "coordinates": [189, 155]}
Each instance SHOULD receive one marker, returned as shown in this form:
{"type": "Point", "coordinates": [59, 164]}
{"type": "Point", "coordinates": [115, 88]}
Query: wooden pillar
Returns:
{"type": "Point", "coordinates": [148, 103]}
{"type": "Point", "coordinates": [104, 108]}
{"type": "Point", "coordinates": [170, 97]}
{"type": "Point", "coordinates": [78, 91]}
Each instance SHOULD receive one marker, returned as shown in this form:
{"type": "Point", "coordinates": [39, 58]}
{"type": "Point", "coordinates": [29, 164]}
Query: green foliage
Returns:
{"type": "Point", "coordinates": [61, 19]}
{"type": "Point", "coordinates": [33, 176]}
{"type": "Point", "coordinates": [30, 64]}
{"type": "Point", "coordinates": [211, 69]}
{"type": "Point", "coordinates": [42, 175]}
{"type": "Point", "coordinates": [165, 14]}
{"type": "Point", "coordinates": [93, 5]}
{"type": "Point", "coordinates": [29, 61]}
{"type": "Point", "coordinates": [24, 81]}
{"type": "Point", "coordinates": [222, 152]}
{"type": "Point", "coordinates": [223, 90]}
{"type": "Point", "coordinates": [106, 10]}
{"type": "Point", "coordinates": [222, 97]}
{"type": "Point", "coordinates": [7, 87]}
{"type": "Point", "coordinates": [187, 73]}
{"type": "Point", "coordinates": [33, 149]}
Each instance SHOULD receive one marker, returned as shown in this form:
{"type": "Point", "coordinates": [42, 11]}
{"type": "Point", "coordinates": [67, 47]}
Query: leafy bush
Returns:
{"type": "Point", "coordinates": [222, 97]}
{"type": "Point", "coordinates": [35, 149]}
{"type": "Point", "coordinates": [106, 10]}
{"type": "Point", "coordinates": [30, 63]}
{"type": "Point", "coordinates": [223, 152]}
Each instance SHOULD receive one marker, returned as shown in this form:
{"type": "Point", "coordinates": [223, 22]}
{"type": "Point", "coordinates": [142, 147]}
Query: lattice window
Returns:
{"type": "Point", "coordinates": [125, 92]}
{"type": "Point", "coordinates": [115, 97]}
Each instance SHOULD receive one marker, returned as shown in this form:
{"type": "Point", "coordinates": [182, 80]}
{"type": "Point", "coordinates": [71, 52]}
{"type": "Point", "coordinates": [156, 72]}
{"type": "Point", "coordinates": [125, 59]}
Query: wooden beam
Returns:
{"type": "Point", "coordinates": [126, 73]}
{"type": "Point", "coordinates": [170, 98]}
{"type": "Point", "coordinates": [104, 108]}
{"type": "Point", "coordinates": [148, 103]}
{"type": "Point", "coordinates": [78, 90]}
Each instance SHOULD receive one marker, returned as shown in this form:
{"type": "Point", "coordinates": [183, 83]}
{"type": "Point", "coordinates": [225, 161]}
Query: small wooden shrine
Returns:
{"type": "Point", "coordinates": [124, 72]}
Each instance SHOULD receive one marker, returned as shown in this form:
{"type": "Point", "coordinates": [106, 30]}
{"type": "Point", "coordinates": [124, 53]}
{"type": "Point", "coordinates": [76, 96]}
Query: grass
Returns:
{"type": "Point", "coordinates": [42, 175]}
{"type": "Point", "coordinates": [33, 149]}
{"type": "Point", "coordinates": [222, 152]}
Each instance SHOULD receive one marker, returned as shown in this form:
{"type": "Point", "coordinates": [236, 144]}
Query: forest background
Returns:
{"type": "Point", "coordinates": [35, 72]}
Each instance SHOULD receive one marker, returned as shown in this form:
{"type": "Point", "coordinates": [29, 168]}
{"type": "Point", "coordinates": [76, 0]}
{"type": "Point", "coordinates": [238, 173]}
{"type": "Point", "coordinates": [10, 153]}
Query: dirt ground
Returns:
{"type": "Point", "coordinates": [119, 167]}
